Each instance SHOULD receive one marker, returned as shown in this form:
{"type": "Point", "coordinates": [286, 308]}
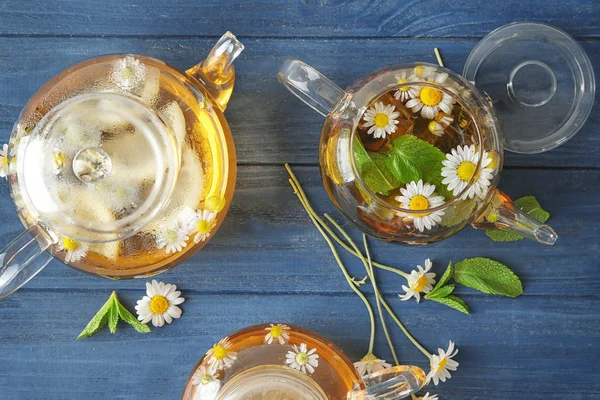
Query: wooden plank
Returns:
{"type": "Point", "coordinates": [308, 18]}
{"type": "Point", "coordinates": [268, 237]}
{"type": "Point", "coordinates": [534, 348]}
{"type": "Point", "coordinates": [268, 123]}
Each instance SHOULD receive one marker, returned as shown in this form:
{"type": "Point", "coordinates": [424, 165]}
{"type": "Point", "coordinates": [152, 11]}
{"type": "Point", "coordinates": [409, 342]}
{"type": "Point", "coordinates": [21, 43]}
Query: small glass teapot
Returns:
{"type": "Point", "coordinates": [121, 166]}
{"type": "Point", "coordinates": [411, 153]}
{"type": "Point", "coordinates": [279, 361]}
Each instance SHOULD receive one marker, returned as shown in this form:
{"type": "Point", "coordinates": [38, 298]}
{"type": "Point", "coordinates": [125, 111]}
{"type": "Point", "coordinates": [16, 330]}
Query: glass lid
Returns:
{"type": "Point", "coordinates": [540, 82]}
{"type": "Point", "coordinates": [98, 167]}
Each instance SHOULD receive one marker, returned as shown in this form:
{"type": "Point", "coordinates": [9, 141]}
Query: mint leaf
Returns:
{"type": "Point", "coordinates": [399, 169]}
{"type": "Point", "coordinates": [131, 319]}
{"type": "Point", "coordinates": [459, 212]}
{"type": "Point", "coordinates": [113, 316]}
{"type": "Point", "coordinates": [453, 302]}
{"type": "Point", "coordinates": [100, 319]}
{"type": "Point", "coordinates": [441, 292]}
{"type": "Point", "coordinates": [378, 180]}
{"type": "Point", "coordinates": [447, 275]}
{"type": "Point", "coordinates": [530, 206]}
{"type": "Point", "coordinates": [488, 276]}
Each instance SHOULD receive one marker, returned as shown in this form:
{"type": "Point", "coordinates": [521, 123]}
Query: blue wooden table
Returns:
{"type": "Point", "coordinates": [267, 262]}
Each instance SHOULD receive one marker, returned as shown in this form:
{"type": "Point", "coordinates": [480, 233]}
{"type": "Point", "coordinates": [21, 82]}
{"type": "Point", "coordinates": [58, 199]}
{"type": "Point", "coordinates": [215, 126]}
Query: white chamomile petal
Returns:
{"type": "Point", "coordinates": [301, 359]}
{"type": "Point", "coordinates": [75, 250]}
{"type": "Point", "coordinates": [158, 305]}
{"type": "Point", "coordinates": [459, 168]}
{"type": "Point", "coordinates": [381, 120]}
{"type": "Point", "coordinates": [441, 364]}
{"type": "Point", "coordinates": [420, 196]}
{"type": "Point", "coordinates": [173, 238]}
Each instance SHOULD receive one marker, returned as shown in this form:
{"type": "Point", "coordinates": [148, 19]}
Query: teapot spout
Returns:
{"type": "Point", "coordinates": [217, 73]}
{"type": "Point", "coordinates": [501, 213]}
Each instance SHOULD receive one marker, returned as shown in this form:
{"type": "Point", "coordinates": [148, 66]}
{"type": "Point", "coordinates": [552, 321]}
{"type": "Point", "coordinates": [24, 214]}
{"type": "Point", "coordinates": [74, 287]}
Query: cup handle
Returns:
{"type": "Point", "coordinates": [393, 383]}
{"type": "Point", "coordinates": [23, 258]}
{"type": "Point", "coordinates": [312, 87]}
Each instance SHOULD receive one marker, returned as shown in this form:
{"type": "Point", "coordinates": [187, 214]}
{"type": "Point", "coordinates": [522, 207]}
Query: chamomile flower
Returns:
{"type": "Point", "coordinates": [75, 249]}
{"type": "Point", "coordinates": [430, 100]}
{"type": "Point", "coordinates": [201, 225]}
{"type": "Point", "coordinates": [207, 382]}
{"type": "Point", "coordinates": [381, 119]}
{"type": "Point", "coordinates": [440, 122]}
{"type": "Point", "coordinates": [369, 364]}
{"type": "Point", "coordinates": [174, 238]}
{"type": "Point", "coordinates": [220, 355]}
{"type": "Point", "coordinates": [441, 364]}
{"type": "Point", "coordinates": [128, 72]}
{"type": "Point", "coordinates": [459, 168]}
{"type": "Point", "coordinates": [428, 397]}
{"type": "Point", "coordinates": [4, 161]}
{"type": "Point", "coordinates": [420, 196]}
{"type": "Point", "coordinates": [160, 304]}
{"type": "Point", "coordinates": [302, 359]}
{"type": "Point", "coordinates": [405, 92]}
{"type": "Point", "coordinates": [420, 281]}
{"type": "Point", "coordinates": [278, 333]}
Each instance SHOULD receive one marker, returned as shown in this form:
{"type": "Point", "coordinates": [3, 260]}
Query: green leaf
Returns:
{"type": "Point", "coordinates": [458, 213]}
{"type": "Point", "coordinates": [488, 276]}
{"type": "Point", "coordinates": [100, 319]}
{"type": "Point", "coordinates": [453, 302]}
{"type": "Point", "coordinates": [131, 319]}
{"type": "Point", "coordinates": [440, 292]}
{"type": "Point", "coordinates": [447, 275]}
{"type": "Point", "coordinates": [528, 205]}
{"type": "Point", "coordinates": [113, 316]}
{"type": "Point", "coordinates": [378, 180]}
{"type": "Point", "coordinates": [397, 168]}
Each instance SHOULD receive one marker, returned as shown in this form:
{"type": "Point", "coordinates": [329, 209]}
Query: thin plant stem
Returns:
{"type": "Point", "coordinates": [306, 206]}
{"type": "Point", "coordinates": [311, 211]}
{"type": "Point", "coordinates": [438, 56]}
{"type": "Point", "coordinates": [371, 274]}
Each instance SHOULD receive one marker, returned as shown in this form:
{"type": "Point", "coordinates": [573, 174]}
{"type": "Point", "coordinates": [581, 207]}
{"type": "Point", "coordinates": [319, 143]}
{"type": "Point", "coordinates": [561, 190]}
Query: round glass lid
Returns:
{"type": "Point", "coordinates": [540, 82]}
{"type": "Point", "coordinates": [98, 167]}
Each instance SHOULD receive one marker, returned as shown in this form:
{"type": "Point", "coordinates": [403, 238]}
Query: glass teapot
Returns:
{"type": "Point", "coordinates": [411, 153]}
{"type": "Point", "coordinates": [121, 166]}
{"type": "Point", "coordinates": [283, 362]}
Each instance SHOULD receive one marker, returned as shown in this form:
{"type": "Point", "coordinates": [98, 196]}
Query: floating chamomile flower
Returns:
{"type": "Point", "coordinates": [128, 72]}
{"type": "Point", "coordinates": [428, 397]}
{"type": "Point", "coordinates": [405, 92]}
{"type": "Point", "coordinates": [278, 333]}
{"type": "Point", "coordinates": [75, 249]}
{"type": "Point", "coordinates": [207, 382]}
{"type": "Point", "coordinates": [381, 119]}
{"type": "Point", "coordinates": [420, 281]}
{"type": "Point", "coordinates": [441, 364]}
{"type": "Point", "coordinates": [440, 122]}
{"type": "Point", "coordinates": [459, 168]}
{"type": "Point", "coordinates": [160, 304]}
{"type": "Point", "coordinates": [173, 237]}
{"type": "Point", "coordinates": [420, 196]}
{"type": "Point", "coordinates": [220, 355]}
{"type": "Point", "coordinates": [430, 100]}
{"type": "Point", "coordinates": [202, 224]}
{"type": "Point", "coordinates": [423, 73]}
{"type": "Point", "coordinates": [369, 364]}
{"type": "Point", "coordinates": [4, 161]}
{"type": "Point", "coordinates": [301, 359]}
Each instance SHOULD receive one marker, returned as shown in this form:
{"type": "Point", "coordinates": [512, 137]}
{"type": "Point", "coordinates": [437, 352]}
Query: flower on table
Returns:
{"type": "Point", "coordinates": [428, 397]}
{"type": "Point", "coordinates": [76, 250]}
{"type": "Point", "coordinates": [430, 100]}
{"type": "Point", "coordinates": [302, 359]}
{"type": "Point", "coordinates": [277, 332]}
{"type": "Point", "coordinates": [201, 225]}
{"type": "Point", "coordinates": [405, 92]}
{"type": "Point", "coordinates": [4, 161]}
{"type": "Point", "coordinates": [441, 364]}
{"type": "Point", "coordinates": [420, 281]}
{"type": "Point", "coordinates": [220, 355]}
{"type": "Point", "coordinates": [207, 382]}
{"type": "Point", "coordinates": [174, 238]}
{"type": "Point", "coordinates": [459, 168]}
{"type": "Point", "coordinates": [381, 120]}
{"type": "Point", "coordinates": [419, 196]}
{"type": "Point", "coordinates": [128, 72]}
{"type": "Point", "coordinates": [160, 304]}
{"type": "Point", "coordinates": [441, 121]}
{"type": "Point", "coordinates": [369, 364]}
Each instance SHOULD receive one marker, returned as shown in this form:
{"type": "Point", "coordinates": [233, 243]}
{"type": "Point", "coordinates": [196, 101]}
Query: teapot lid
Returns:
{"type": "Point", "coordinates": [540, 81]}
{"type": "Point", "coordinates": [97, 167]}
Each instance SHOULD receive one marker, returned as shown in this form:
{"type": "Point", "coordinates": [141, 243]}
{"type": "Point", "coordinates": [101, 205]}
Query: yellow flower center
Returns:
{"type": "Point", "coordinates": [369, 357]}
{"type": "Point", "coordinates": [419, 202]}
{"type": "Point", "coordinates": [433, 126]}
{"type": "Point", "coordinates": [276, 331]}
{"type": "Point", "coordinates": [203, 226]}
{"type": "Point", "coordinates": [127, 72]}
{"type": "Point", "coordinates": [381, 120]}
{"type": "Point", "coordinates": [205, 379]}
{"type": "Point", "coordinates": [404, 88]}
{"type": "Point", "coordinates": [219, 352]}
{"type": "Point", "coordinates": [442, 363]}
{"type": "Point", "coordinates": [493, 217]}
{"type": "Point", "coordinates": [171, 236]}
{"type": "Point", "coordinates": [419, 285]}
{"type": "Point", "coordinates": [5, 161]}
{"type": "Point", "coordinates": [302, 358]}
{"type": "Point", "coordinates": [159, 304]}
{"type": "Point", "coordinates": [465, 170]}
{"type": "Point", "coordinates": [430, 96]}
{"type": "Point", "coordinates": [419, 69]}
{"type": "Point", "coordinates": [70, 244]}
{"type": "Point", "coordinates": [59, 159]}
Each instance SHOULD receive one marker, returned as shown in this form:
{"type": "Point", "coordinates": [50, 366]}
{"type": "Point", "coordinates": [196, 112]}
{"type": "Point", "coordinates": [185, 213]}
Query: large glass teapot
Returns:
{"type": "Point", "coordinates": [411, 153]}
{"type": "Point", "coordinates": [283, 362]}
{"type": "Point", "coordinates": [121, 166]}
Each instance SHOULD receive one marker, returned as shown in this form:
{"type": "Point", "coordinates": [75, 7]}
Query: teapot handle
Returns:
{"type": "Point", "coordinates": [393, 383]}
{"type": "Point", "coordinates": [23, 258]}
{"type": "Point", "coordinates": [312, 87]}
